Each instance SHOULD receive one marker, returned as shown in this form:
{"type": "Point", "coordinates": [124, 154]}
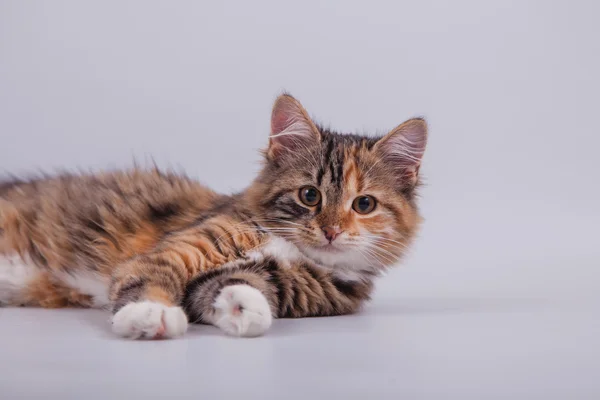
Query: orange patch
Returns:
{"type": "Point", "coordinates": [143, 240]}
{"type": "Point", "coordinates": [158, 294]}
{"type": "Point", "coordinates": [47, 293]}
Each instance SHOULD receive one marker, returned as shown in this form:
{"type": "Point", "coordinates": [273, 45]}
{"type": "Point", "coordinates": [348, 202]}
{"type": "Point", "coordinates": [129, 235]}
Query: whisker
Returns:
{"type": "Point", "coordinates": [379, 246]}
{"type": "Point", "coordinates": [374, 256]}
{"type": "Point", "coordinates": [384, 238]}
{"type": "Point", "coordinates": [390, 257]}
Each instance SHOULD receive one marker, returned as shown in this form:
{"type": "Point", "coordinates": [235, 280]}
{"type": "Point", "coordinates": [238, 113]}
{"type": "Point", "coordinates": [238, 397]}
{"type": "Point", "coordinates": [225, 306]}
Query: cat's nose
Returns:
{"type": "Point", "coordinates": [331, 232]}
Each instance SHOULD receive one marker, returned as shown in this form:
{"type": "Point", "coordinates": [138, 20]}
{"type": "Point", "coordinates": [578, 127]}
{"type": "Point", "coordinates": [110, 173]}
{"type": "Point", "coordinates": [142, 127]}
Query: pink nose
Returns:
{"type": "Point", "coordinates": [331, 232]}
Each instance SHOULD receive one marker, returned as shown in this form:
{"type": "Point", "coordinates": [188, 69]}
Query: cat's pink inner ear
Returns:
{"type": "Point", "coordinates": [404, 146]}
{"type": "Point", "coordinates": [291, 127]}
{"type": "Point", "coordinates": [281, 118]}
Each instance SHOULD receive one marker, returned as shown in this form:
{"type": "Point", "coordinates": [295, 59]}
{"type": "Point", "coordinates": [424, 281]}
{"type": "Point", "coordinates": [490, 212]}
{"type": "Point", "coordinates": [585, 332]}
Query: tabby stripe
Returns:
{"type": "Point", "coordinates": [164, 266]}
{"type": "Point", "coordinates": [272, 200]}
{"type": "Point", "coordinates": [275, 281]}
{"type": "Point", "coordinates": [292, 208]}
{"type": "Point", "coordinates": [128, 293]}
{"type": "Point", "coordinates": [340, 168]}
{"type": "Point", "coordinates": [347, 288]}
{"type": "Point", "coordinates": [215, 240]}
{"type": "Point", "coordinates": [175, 281]}
{"type": "Point", "coordinates": [234, 281]}
{"type": "Point", "coordinates": [207, 276]}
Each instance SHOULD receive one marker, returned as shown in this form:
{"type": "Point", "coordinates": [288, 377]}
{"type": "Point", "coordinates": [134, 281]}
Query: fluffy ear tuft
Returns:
{"type": "Point", "coordinates": [403, 149]}
{"type": "Point", "coordinates": [291, 128]}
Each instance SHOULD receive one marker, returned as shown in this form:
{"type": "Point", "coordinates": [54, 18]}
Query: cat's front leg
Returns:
{"type": "Point", "coordinates": [242, 299]}
{"type": "Point", "coordinates": [146, 293]}
{"type": "Point", "coordinates": [232, 299]}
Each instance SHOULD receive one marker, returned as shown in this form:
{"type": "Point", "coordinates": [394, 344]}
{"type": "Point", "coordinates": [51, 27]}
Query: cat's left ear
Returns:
{"type": "Point", "coordinates": [292, 129]}
{"type": "Point", "coordinates": [403, 148]}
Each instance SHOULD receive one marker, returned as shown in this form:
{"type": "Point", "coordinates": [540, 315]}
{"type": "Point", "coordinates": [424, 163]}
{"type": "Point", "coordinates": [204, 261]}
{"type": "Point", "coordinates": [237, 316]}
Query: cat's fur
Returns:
{"type": "Point", "coordinates": [159, 248]}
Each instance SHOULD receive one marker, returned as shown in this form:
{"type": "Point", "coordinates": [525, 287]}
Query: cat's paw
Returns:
{"type": "Point", "coordinates": [149, 319]}
{"type": "Point", "coordinates": [241, 310]}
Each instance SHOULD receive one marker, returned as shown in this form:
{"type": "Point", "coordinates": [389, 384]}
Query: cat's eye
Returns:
{"type": "Point", "coordinates": [364, 204]}
{"type": "Point", "coordinates": [310, 195]}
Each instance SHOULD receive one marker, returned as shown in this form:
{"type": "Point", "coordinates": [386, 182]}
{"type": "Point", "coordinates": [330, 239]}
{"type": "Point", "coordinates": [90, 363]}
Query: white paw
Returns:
{"type": "Point", "coordinates": [148, 319]}
{"type": "Point", "coordinates": [242, 310]}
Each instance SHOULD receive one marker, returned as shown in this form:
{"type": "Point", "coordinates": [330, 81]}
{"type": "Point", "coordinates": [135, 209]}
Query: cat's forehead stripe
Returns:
{"type": "Point", "coordinates": [334, 155]}
{"type": "Point", "coordinates": [352, 178]}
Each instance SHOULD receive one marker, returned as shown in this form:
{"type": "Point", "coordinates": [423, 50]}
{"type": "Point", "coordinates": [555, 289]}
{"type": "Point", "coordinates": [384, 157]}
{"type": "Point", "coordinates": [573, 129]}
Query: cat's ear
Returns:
{"type": "Point", "coordinates": [402, 149]}
{"type": "Point", "coordinates": [291, 128]}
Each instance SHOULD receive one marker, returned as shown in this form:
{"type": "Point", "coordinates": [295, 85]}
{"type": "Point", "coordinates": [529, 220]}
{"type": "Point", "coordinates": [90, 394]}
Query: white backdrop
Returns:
{"type": "Point", "coordinates": [510, 89]}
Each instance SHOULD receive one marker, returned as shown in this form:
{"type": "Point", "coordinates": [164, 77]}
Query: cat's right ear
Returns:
{"type": "Point", "coordinates": [403, 148]}
{"type": "Point", "coordinates": [292, 129]}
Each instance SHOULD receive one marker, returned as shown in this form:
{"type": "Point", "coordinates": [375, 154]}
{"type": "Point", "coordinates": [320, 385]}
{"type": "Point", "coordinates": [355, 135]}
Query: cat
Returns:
{"type": "Point", "coordinates": [326, 215]}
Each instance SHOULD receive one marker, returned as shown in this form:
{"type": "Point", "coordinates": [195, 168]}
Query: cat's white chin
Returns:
{"type": "Point", "coordinates": [336, 255]}
{"type": "Point", "coordinates": [330, 248]}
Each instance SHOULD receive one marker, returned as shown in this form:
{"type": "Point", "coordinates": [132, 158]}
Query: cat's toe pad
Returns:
{"type": "Point", "coordinates": [241, 310]}
{"type": "Point", "coordinates": [149, 319]}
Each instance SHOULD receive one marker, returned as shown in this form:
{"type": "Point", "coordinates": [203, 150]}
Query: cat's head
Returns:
{"type": "Point", "coordinates": [344, 200]}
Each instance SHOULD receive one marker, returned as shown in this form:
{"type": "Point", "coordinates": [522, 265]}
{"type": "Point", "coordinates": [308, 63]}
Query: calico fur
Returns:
{"type": "Point", "coordinates": [159, 249]}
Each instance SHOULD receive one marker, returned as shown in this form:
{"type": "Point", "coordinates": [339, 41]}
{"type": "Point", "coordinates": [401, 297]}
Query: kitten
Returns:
{"type": "Point", "coordinates": [326, 214]}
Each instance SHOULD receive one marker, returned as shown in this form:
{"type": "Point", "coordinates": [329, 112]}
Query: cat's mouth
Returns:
{"type": "Point", "coordinates": [329, 248]}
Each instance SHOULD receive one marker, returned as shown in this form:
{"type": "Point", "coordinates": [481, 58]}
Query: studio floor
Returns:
{"type": "Point", "coordinates": [398, 348]}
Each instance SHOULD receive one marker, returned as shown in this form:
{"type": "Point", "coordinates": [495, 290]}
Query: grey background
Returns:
{"type": "Point", "coordinates": [500, 297]}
